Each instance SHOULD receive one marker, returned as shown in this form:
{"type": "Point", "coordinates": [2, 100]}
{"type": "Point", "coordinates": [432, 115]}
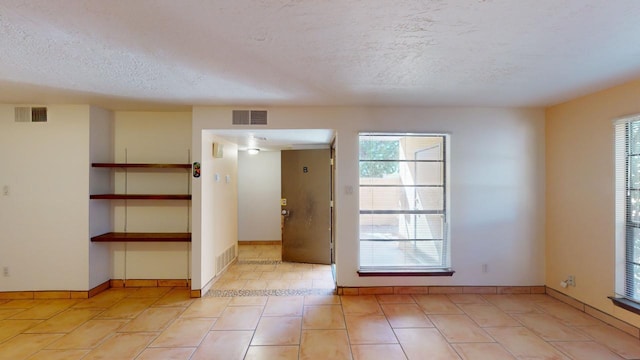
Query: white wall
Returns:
{"type": "Point", "coordinates": [44, 221]}
{"type": "Point", "coordinates": [151, 137]}
{"type": "Point", "coordinates": [497, 185]}
{"type": "Point", "coordinates": [100, 182]}
{"type": "Point", "coordinates": [259, 196]}
{"type": "Point", "coordinates": [215, 206]}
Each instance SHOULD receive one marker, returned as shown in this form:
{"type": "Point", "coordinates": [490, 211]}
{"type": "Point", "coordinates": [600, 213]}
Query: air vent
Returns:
{"type": "Point", "coordinates": [249, 117]}
{"type": "Point", "coordinates": [30, 114]}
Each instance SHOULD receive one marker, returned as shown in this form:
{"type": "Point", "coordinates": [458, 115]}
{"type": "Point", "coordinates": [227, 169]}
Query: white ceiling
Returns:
{"type": "Point", "coordinates": [143, 54]}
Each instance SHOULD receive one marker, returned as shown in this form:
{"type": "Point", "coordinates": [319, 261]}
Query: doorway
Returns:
{"type": "Point", "coordinates": [306, 206]}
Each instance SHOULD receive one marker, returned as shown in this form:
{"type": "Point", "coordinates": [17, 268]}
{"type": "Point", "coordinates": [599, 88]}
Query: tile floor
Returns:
{"type": "Point", "coordinates": [164, 323]}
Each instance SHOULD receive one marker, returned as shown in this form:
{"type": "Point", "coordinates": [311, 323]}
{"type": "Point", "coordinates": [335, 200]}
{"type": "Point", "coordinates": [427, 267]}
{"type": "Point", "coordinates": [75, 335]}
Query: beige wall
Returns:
{"type": "Point", "coordinates": [151, 137]}
{"type": "Point", "coordinates": [497, 185]}
{"type": "Point", "coordinates": [580, 194]}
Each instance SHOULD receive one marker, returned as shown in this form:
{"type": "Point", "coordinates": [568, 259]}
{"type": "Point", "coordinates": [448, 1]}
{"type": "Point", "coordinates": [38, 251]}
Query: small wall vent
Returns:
{"type": "Point", "coordinates": [249, 117]}
{"type": "Point", "coordinates": [30, 114]}
{"type": "Point", "coordinates": [225, 259]}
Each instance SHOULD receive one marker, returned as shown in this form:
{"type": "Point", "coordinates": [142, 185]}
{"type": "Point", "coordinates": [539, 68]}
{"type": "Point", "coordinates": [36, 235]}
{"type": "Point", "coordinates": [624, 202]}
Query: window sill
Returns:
{"type": "Point", "coordinates": [626, 304]}
{"type": "Point", "coordinates": [439, 272]}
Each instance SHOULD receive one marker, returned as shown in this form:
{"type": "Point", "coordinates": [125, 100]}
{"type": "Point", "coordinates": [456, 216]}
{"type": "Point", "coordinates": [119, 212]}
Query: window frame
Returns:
{"type": "Point", "coordinates": [444, 269]}
{"type": "Point", "coordinates": [625, 286]}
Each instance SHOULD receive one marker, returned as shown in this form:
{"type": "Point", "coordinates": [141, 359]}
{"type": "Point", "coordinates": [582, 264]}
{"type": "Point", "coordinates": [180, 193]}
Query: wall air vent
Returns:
{"type": "Point", "coordinates": [30, 114]}
{"type": "Point", "coordinates": [249, 117]}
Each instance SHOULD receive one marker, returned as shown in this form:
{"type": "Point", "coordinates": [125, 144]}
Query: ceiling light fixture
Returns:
{"type": "Point", "coordinates": [253, 151]}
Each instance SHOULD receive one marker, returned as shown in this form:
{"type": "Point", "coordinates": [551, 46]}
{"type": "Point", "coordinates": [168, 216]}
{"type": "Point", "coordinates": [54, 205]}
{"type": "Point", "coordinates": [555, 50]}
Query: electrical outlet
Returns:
{"type": "Point", "coordinates": [485, 268]}
{"type": "Point", "coordinates": [5, 271]}
{"type": "Point", "coordinates": [571, 280]}
{"type": "Point", "coordinates": [5, 190]}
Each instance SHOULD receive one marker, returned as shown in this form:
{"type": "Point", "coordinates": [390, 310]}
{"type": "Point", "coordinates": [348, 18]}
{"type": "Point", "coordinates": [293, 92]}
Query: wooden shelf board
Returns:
{"type": "Point", "coordinates": [140, 165]}
{"type": "Point", "coordinates": [142, 237]}
{"type": "Point", "coordinates": [141, 196]}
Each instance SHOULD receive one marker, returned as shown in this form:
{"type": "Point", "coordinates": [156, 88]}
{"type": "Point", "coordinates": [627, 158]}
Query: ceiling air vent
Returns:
{"type": "Point", "coordinates": [249, 117]}
{"type": "Point", "coordinates": [30, 114]}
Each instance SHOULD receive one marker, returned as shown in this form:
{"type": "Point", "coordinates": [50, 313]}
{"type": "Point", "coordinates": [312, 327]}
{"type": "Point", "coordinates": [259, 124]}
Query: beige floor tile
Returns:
{"type": "Point", "coordinates": [549, 328]}
{"type": "Point", "coordinates": [482, 351]}
{"type": "Point", "coordinates": [284, 306]}
{"type": "Point", "coordinates": [239, 318]}
{"type": "Point", "coordinates": [369, 329]}
{"type": "Point", "coordinates": [150, 292]}
{"type": "Point", "coordinates": [121, 346]}
{"type": "Point", "coordinates": [152, 319]}
{"type": "Point", "coordinates": [466, 299]}
{"type": "Point", "coordinates": [88, 335]}
{"type": "Point", "coordinates": [231, 285]}
{"type": "Point", "coordinates": [281, 330]}
{"type": "Point", "coordinates": [361, 305]}
{"type": "Point", "coordinates": [272, 353]}
{"type": "Point", "coordinates": [378, 352]}
{"type": "Point", "coordinates": [65, 321]}
{"type": "Point", "coordinates": [271, 275]}
{"type": "Point", "coordinates": [416, 343]}
{"type": "Point", "coordinates": [127, 308]}
{"type": "Point", "coordinates": [265, 268]}
{"type": "Point", "coordinates": [324, 344]}
{"type": "Point", "coordinates": [7, 313]}
{"type": "Point", "coordinates": [617, 341]}
{"type": "Point", "coordinates": [11, 328]}
{"type": "Point", "coordinates": [488, 315]}
{"type": "Point", "coordinates": [179, 353]}
{"type": "Point", "coordinates": [586, 350]}
{"type": "Point", "coordinates": [436, 304]}
{"type": "Point", "coordinates": [405, 316]}
{"type": "Point", "coordinates": [25, 345]}
{"type": "Point", "coordinates": [291, 276]}
{"type": "Point", "coordinates": [59, 355]}
{"type": "Point", "coordinates": [248, 301]}
{"type": "Point", "coordinates": [300, 284]}
{"type": "Point", "coordinates": [459, 329]}
{"type": "Point", "coordinates": [45, 309]}
{"type": "Point", "coordinates": [105, 299]}
{"type": "Point", "coordinates": [568, 314]}
{"type": "Point", "coordinates": [323, 284]}
{"type": "Point", "coordinates": [19, 304]}
{"type": "Point", "coordinates": [176, 297]}
{"type": "Point", "coordinates": [277, 284]}
{"type": "Point", "coordinates": [249, 275]}
{"type": "Point", "coordinates": [523, 343]}
{"type": "Point", "coordinates": [512, 303]}
{"type": "Point", "coordinates": [323, 317]}
{"type": "Point", "coordinates": [227, 345]}
{"type": "Point", "coordinates": [184, 332]}
{"type": "Point", "coordinates": [207, 307]}
{"type": "Point", "coordinates": [255, 285]}
{"type": "Point", "coordinates": [395, 299]}
{"type": "Point", "coordinates": [321, 299]}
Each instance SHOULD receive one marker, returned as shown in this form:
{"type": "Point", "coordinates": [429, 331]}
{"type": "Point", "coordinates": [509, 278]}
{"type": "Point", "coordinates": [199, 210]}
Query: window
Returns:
{"type": "Point", "coordinates": [403, 203]}
{"type": "Point", "coordinates": [627, 149]}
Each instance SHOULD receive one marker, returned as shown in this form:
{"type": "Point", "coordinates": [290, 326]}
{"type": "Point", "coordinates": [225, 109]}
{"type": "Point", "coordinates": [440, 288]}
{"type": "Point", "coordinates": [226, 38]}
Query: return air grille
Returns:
{"type": "Point", "coordinates": [30, 114]}
{"type": "Point", "coordinates": [249, 117]}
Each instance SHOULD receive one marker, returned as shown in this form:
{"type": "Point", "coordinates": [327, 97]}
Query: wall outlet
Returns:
{"type": "Point", "coordinates": [485, 268]}
{"type": "Point", "coordinates": [571, 280]}
{"type": "Point", "coordinates": [5, 190]}
{"type": "Point", "coordinates": [5, 271]}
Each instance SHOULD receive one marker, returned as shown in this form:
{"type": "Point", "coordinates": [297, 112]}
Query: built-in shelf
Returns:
{"type": "Point", "coordinates": [142, 237]}
{"type": "Point", "coordinates": [141, 196]}
{"type": "Point", "coordinates": [140, 165]}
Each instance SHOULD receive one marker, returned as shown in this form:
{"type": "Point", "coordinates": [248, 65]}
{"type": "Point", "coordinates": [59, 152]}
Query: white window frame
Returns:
{"type": "Point", "coordinates": [444, 269]}
{"type": "Point", "coordinates": [625, 286]}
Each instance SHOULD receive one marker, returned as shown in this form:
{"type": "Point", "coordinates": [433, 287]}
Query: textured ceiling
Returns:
{"type": "Point", "coordinates": [167, 53]}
